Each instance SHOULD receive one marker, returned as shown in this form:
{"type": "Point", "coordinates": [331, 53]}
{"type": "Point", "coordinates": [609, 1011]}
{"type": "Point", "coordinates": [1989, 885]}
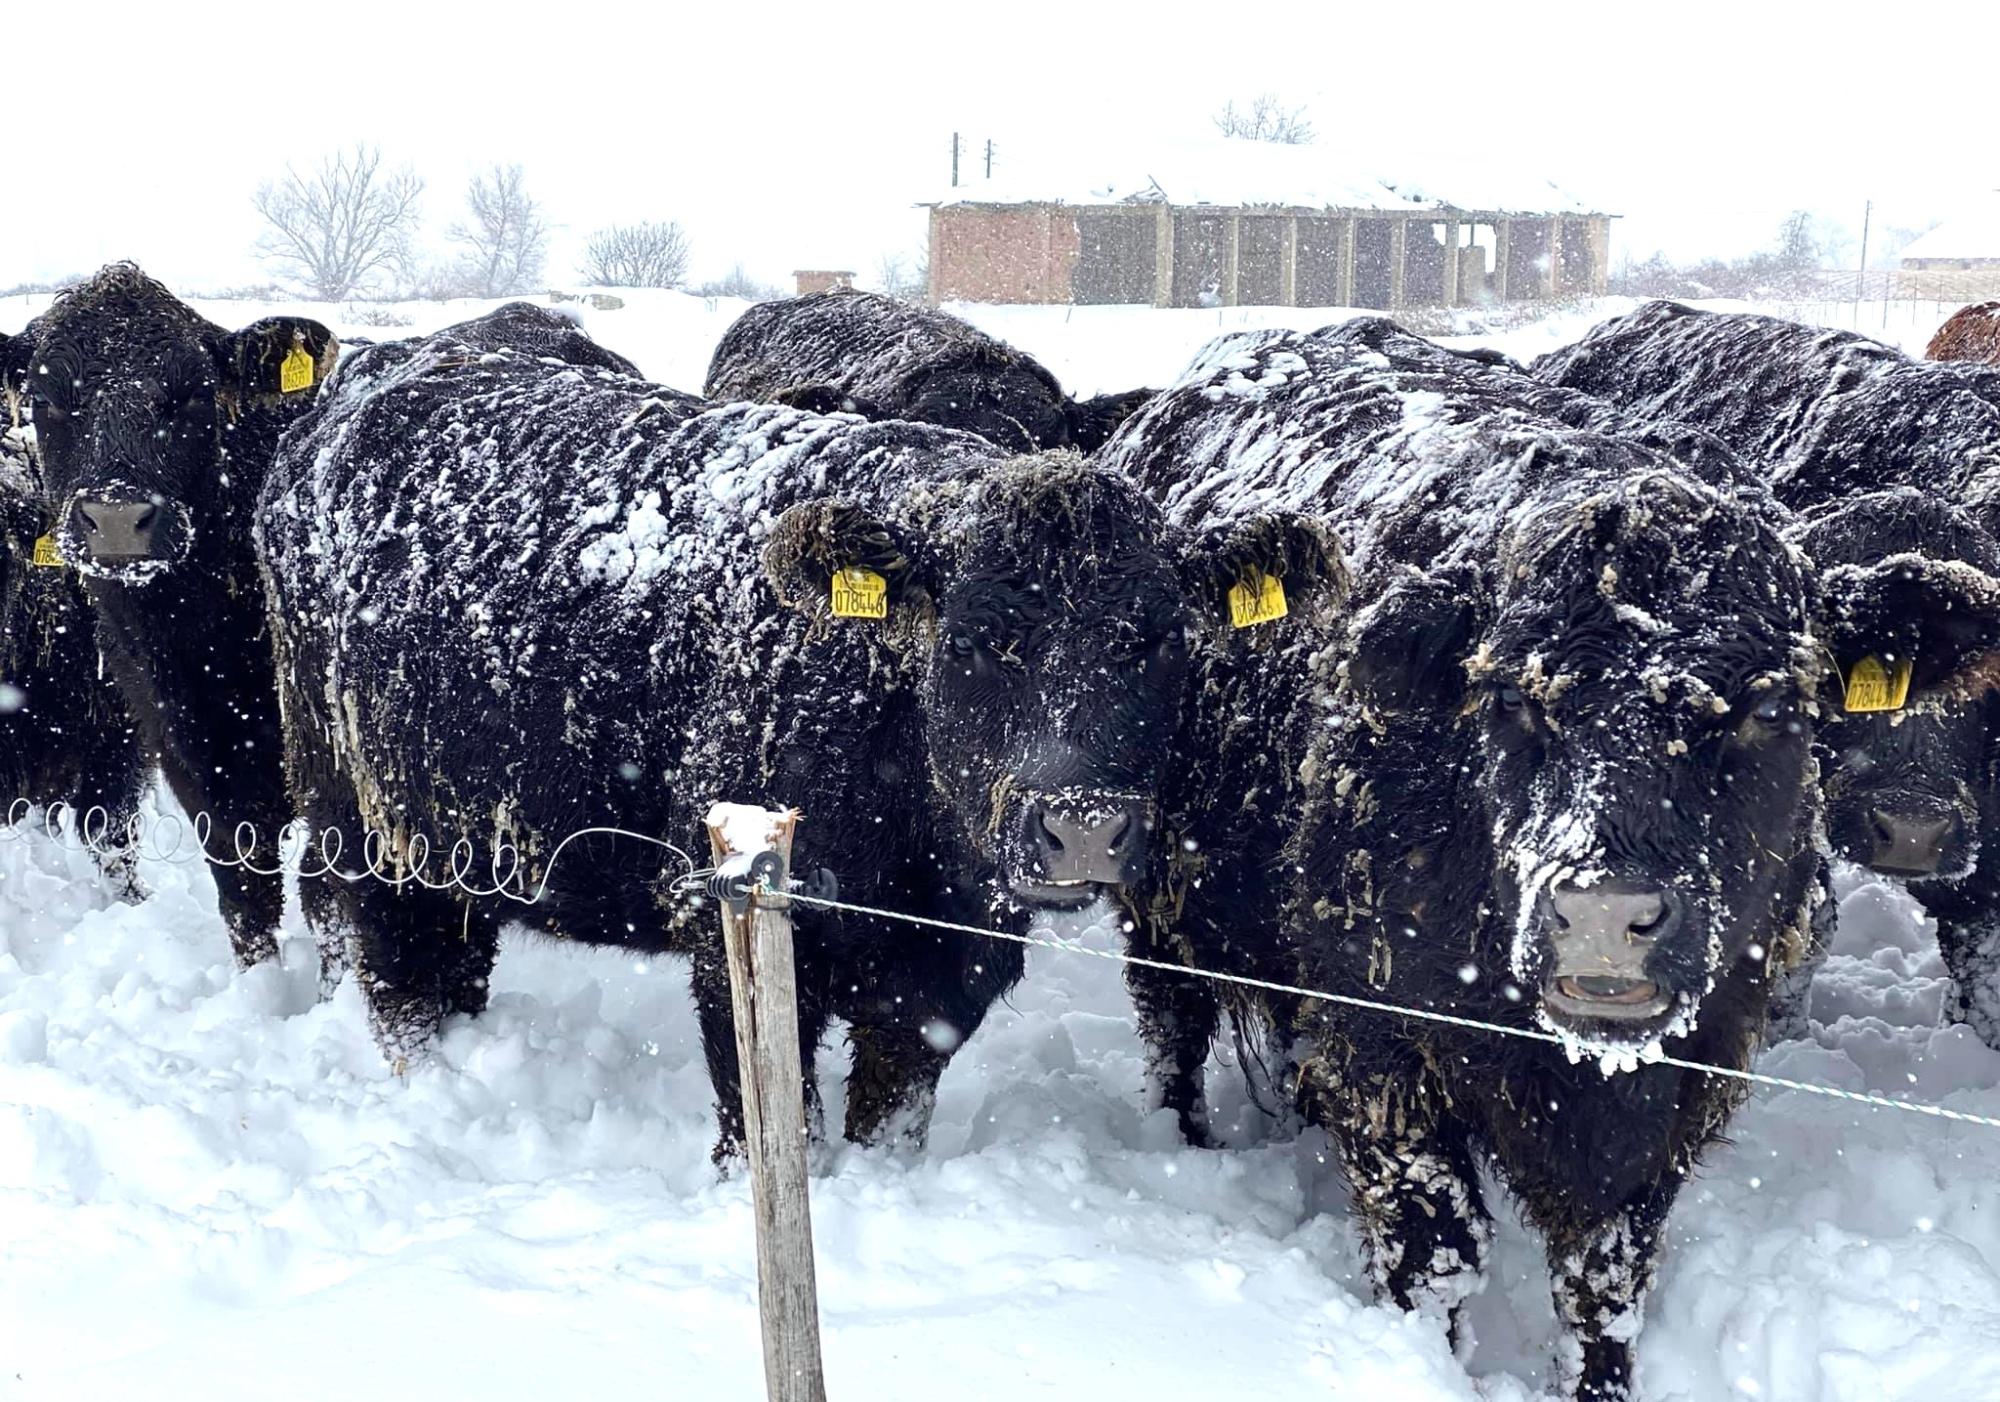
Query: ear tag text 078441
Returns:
{"type": "Point", "coordinates": [46, 555]}
{"type": "Point", "coordinates": [295, 371]}
{"type": "Point", "coordinates": [1874, 686]}
{"type": "Point", "coordinates": [859, 593]}
{"type": "Point", "coordinates": [1258, 599]}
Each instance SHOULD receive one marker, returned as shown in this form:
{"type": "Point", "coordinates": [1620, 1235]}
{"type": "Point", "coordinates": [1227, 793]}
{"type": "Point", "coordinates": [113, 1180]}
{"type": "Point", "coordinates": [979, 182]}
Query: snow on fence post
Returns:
{"type": "Point", "coordinates": [754, 845]}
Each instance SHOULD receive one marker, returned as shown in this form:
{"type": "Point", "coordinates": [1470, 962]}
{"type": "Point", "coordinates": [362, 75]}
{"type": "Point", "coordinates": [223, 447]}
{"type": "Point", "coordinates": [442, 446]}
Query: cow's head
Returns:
{"type": "Point", "coordinates": [140, 408]}
{"type": "Point", "coordinates": [1631, 687]}
{"type": "Point", "coordinates": [1906, 579]}
{"type": "Point", "coordinates": [1058, 616]}
{"type": "Point", "coordinates": [1003, 397]}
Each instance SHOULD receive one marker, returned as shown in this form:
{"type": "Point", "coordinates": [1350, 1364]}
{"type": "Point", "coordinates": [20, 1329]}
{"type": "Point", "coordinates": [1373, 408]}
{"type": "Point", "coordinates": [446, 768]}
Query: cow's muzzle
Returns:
{"type": "Point", "coordinates": [1910, 844]}
{"type": "Point", "coordinates": [1082, 848]}
{"type": "Point", "coordinates": [116, 532]}
{"type": "Point", "coordinates": [1603, 937]}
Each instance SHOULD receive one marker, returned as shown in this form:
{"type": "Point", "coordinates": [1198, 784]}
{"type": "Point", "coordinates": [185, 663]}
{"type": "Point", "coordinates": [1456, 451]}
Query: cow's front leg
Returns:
{"type": "Point", "coordinates": [1970, 947]}
{"type": "Point", "coordinates": [1414, 1183]}
{"type": "Point", "coordinates": [1178, 1016]}
{"type": "Point", "coordinates": [1601, 1278]}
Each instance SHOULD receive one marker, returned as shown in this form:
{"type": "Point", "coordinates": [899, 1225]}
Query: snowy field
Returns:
{"type": "Point", "coordinates": [211, 1188]}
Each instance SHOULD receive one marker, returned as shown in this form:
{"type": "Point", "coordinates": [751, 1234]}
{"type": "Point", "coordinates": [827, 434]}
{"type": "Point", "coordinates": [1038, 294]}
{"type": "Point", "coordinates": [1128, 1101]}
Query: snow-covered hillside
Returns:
{"type": "Point", "coordinates": [211, 1188]}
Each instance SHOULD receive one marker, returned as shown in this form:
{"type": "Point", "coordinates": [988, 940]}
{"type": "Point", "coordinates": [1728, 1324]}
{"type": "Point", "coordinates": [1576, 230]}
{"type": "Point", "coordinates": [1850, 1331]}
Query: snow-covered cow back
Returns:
{"type": "Point", "coordinates": [886, 358]}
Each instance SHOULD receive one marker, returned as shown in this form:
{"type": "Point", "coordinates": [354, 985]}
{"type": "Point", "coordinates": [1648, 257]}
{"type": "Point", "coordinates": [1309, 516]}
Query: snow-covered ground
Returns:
{"type": "Point", "coordinates": [211, 1188]}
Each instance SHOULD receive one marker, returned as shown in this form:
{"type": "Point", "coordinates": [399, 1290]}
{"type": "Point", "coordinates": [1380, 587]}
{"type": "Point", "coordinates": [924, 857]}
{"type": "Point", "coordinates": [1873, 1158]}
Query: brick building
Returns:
{"type": "Point", "coordinates": [1236, 223]}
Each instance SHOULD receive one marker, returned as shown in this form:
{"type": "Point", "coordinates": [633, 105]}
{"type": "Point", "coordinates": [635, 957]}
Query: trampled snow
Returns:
{"type": "Point", "coordinates": [210, 1187]}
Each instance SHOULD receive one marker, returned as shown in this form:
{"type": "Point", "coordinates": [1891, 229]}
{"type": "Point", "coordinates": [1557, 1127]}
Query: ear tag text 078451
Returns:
{"type": "Point", "coordinates": [1875, 686]}
{"type": "Point", "coordinates": [46, 555]}
{"type": "Point", "coordinates": [1258, 599]}
{"type": "Point", "coordinates": [859, 593]}
{"type": "Point", "coordinates": [295, 371]}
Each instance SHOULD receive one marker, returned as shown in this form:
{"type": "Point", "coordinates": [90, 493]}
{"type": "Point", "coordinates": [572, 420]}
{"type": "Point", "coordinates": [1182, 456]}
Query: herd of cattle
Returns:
{"type": "Point", "coordinates": [1535, 695]}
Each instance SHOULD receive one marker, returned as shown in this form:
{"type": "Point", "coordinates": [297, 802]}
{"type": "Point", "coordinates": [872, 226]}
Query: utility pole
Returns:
{"type": "Point", "coordinates": [989, 158]}
{"type": "Point", "coordinates": [1861, 283]}
{"type": "Point", "coordinates": [954, 160]}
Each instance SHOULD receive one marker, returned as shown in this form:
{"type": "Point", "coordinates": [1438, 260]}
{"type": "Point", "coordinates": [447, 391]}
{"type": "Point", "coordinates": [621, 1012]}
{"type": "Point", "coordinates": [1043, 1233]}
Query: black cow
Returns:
{"type": "Point", "coordinates": [1894, 465]}
{"type": "Point", "coordinates": [883, 358]}
{"type": "Point", "coordinates": [516, 599]}
{"type": "Point", "coordinates": [65, 735]}
{"type": "Point", "coordinates": [1557, 777]}
{"type": "Point", "coordinates": [155, 428]}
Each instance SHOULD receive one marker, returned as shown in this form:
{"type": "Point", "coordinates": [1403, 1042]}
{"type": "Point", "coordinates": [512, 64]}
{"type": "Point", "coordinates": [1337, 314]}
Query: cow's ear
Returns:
{"type": "Point", "coordinates": [1407, 650]}
{"type": "Point", "coordinates": [831, 555]}
{"type": "Point", "coordinates": [829, 399]}
{"type": "Point", "coordinates": [1940, 617]}
{"type": "Point", "coordinates": [1092, 421]}
{"type": "Point", "coordinates": [280, 357]}
{"type": "Point", "coordinates": [1260, 568]}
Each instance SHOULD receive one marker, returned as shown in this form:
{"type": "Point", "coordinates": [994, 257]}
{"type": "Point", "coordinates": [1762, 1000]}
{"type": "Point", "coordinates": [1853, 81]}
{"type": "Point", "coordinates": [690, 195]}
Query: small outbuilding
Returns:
{"type": "Point", "coordinates": [1967, 242]}
{"type": "Point", "coordinates": [1235, 223]}
{"type": "Point", "coordinates": [810, 280]}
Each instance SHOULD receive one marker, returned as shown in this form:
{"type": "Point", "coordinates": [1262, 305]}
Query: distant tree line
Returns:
{"type": "Point", "coordinates": [349, 226]}
{"type": "Point", "coordinates": [1805, 246]}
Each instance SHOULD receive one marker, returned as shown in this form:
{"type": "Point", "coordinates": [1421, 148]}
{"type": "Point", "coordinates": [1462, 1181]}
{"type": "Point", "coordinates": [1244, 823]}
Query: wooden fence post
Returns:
{"type": "Point", "coordinates": [763, 990]}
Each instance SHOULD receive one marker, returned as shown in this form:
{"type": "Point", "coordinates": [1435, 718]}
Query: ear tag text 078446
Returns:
{"type": "Point", "coordinates": [295, 371]}
{"type": "Point", "coordinates": [1874, 686]}
{"type": "Point", "coordinates": [46, 555]}
{"type": "Point", "coordinates": [859, 593]}
{"type": "Point", "coordinates": [1258, 599]}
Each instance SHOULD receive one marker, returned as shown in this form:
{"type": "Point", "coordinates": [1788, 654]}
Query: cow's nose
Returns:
{"type": "Point", "coordinates": [1605, 933]}
{"type": "Point", "coordinates": [1907, 844]}
{"type": "Point", "coordinates": [1094, 846]}
{"type": "Point", "coordinates": [118, 530]}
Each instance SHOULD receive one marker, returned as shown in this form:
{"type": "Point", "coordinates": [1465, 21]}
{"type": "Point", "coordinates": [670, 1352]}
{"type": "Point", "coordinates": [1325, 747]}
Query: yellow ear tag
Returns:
{"type": "Point", "coordinates": [1259, 599]}
{"type": "Point", "coordinates": [295, 371]}
{"type": "Point", "coordinates": [46, 555]}
{"type": "Point", "coordinates": [859, 593]}
{"type": "Point", "coordinates": [1873, 687]}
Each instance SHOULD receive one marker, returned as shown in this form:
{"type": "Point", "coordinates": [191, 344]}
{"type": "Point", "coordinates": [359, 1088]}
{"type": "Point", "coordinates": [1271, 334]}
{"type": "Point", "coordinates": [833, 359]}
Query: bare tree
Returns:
{"type": "Point", "coordinates": [339, 224]}
{"type": "Point", "coordinates": [652, 254]}
{"type": "Point", "coordinates": [737, 282]}
{"type": "Point", "coordinates": [506, 238]}
{"type": "Point", "coordinates": [907, 276]}
{"type": "Point", "coordinates": [1265, 119]}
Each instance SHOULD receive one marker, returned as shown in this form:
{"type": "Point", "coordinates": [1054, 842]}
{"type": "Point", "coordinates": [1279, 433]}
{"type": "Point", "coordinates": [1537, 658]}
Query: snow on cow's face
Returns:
{"type": "Point", "coordinates": [135, 402]}
{"type": "Point", "coordinates": [1643, 721]}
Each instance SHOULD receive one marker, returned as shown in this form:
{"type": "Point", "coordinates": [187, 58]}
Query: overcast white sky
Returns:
{"type": "Point", "coordinates": [799, 136]}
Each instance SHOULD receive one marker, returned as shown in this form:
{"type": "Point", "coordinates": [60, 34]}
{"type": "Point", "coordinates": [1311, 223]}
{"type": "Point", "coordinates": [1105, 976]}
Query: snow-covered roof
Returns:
{"type": "Point", "coordinates": [1217, 171]}
{"type": "Point", "coordinates": [1974, 232]}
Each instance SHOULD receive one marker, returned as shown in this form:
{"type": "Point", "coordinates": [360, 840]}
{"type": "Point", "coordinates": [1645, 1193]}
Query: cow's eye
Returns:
{"type": "Point", "coordinates": [1510, 698]}
{"type": "Point", "coordinates": [1771, 710]}
{"type": "Point", "coordinates": [964, 644]}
